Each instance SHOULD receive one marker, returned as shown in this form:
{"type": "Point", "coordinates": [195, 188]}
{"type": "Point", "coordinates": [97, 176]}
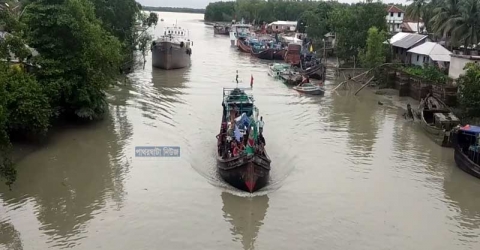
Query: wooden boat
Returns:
{"type": "Point", "coordinates": [221, 29]}
{"type": "Point", "coordinates": [467, 154]}
{"type": "Point", "coordinates": [243, 45]}
{"type": "Point", "coordinates": [437, 120]}
{"type": "Point", "coordinates": [292, 55]}
{"type": "Point", "coordinates": [250, 169]}
{"type": "Point", "coordinates": [266, 54]}
{"type": "Point", "coordinates": [278, 54]}
{"type": "Point", "coordinates": [275, 70]}
{"type": "Point", "coordinates": [291, 77]}
{"type": "Point", "coordinates": [315, 72]}
{"type": "Point", "coordinates": [309, 88]}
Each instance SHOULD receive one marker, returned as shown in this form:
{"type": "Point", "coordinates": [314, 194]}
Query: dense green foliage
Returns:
{"type": "Point", "coordinates": [469, 89]}
{"type": "Point", "coordinates": [173, 9]}
{"type": "Point", "coordinates": [456, 21]}
{"type": "Point", "coordinates": [316, 18]}
{"type": "Point", "coordinates": [374, 54]}
{"type": "Point", "coordinates": [427, 72]}
{"type": "Point", "coordinates": [82, 47]}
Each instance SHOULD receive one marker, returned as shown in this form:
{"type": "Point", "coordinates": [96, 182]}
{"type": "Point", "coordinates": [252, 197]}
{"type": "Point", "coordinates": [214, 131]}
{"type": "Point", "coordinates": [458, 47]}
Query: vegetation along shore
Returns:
{"type": "Point", "coordinates": [58, 58]}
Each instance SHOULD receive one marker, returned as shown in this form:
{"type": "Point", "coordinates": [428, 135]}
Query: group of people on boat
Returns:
{"type": "Point", "coordinates": [232, 142]}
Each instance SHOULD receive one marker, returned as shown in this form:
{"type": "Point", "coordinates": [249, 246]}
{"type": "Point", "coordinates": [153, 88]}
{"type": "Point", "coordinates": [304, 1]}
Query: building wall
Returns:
{"type": "Point", "coordinates": [394, 21]}
{"type": "Point", "coordinates": [458, 62]}
{"type": "Point", "coordinates": [419, 60]}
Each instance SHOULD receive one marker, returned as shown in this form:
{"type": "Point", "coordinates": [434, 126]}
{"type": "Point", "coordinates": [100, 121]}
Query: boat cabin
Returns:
{"type": "Point", "coordinates": [468, 141]}
{"type": "Point", "coordinates": [236, 97]}
{"type": "Point", "coordinates": [175, 31]}
{"type": "Point", "coordinates": [441, 119]}
{"type": "Point", "coordinates": [241, 30]}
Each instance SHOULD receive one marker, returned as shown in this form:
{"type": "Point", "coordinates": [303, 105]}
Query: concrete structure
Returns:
{"type": "Point", "coordinates": [280, 26]}
{"type": "Point", "coordinates": [458, 62]}
{"type": "Point", "coordinates": [402, 42]}
{"type": "Point", "coordinates": [394, 18]}
{"type": "Point", "coordinates": [430, 53]}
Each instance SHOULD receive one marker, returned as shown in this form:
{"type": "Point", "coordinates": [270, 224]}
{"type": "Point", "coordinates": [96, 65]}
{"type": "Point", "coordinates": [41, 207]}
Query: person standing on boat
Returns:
{"type": "Point", "coordinates": [236, 78]}
{"type": "Point", "coordinates": [261, 123]}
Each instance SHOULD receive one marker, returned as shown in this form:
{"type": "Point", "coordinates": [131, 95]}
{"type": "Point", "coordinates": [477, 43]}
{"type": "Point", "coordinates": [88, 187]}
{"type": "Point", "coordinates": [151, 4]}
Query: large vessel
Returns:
{"type": "Point", "coordinates": [243, 160]}
{"type": "Point", "coordinates": [239, 31]}
{"type": "Point", "coordinates": [173, 49]}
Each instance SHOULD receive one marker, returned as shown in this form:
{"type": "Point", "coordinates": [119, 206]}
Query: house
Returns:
{"type": "Point", "coordinates": [413, 27]}
{"type": "Point", "coordinates": [280, 26]}
{"type": "Point", "coordinates": [394, 18]}
{"type": "Point", "coordinates": [330, 40]}
{"type": "Point", "coordinates": [430, 53]}
{"type": "Point", "coordinates": [458, 62]}
{"type": "Point", "coordinates": [402, 42]}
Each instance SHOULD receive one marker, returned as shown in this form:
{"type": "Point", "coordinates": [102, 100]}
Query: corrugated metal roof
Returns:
{"type": "Point", "coordinates": [434, 50]}
{"type": "Point", "coordinates": [290, 23]}
{"type": "Point", "coordinates": [409, 40]}
{"type": "Point", "coordinates": [396, 37]}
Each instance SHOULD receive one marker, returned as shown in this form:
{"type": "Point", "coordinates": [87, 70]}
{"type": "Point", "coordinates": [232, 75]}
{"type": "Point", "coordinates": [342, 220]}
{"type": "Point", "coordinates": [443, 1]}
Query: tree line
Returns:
{"type": "Point", "coordinates": [80, 49]}
{"type": "Point", "coordinates": [173, 9]}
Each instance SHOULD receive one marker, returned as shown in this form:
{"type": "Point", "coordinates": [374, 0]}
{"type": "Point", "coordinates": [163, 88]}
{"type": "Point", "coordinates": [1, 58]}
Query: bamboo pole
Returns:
{"type": "Point", "coordinates": [364, 85]}
{"type": "Point", "coordinates": [350, 79]}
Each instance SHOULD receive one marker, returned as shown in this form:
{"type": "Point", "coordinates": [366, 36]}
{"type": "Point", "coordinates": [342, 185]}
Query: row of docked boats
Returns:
{"type": "Point", "coordinates": [443, 127]}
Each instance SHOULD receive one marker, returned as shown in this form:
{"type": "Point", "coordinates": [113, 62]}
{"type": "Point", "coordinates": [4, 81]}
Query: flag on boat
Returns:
{"type": "Point", "coordinates": [251, 80]}
{"type": "Point", "coordinates": [311, 48]}
{"type": "Point", "coordinates": [237, 133]}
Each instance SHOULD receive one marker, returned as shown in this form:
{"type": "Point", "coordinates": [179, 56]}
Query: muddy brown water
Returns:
{"type": "Point", "coordinates": [347, 173]}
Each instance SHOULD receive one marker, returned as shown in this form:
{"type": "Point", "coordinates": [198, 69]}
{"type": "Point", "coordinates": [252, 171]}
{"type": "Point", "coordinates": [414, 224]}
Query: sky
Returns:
{"type": "Point", "coordinates": [200, 4]}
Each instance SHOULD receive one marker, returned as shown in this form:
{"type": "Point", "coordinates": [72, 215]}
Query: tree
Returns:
{"type": "Point", "coordinates": [442, 20]}
{"type": "Point", "coordinates": [416, 11]}
{"type": "Point", "coordinates": [469, 90]}
{"type": "Point", "coordinates": [374, 54]}
{"type": "Point", "coordinates": [79, 58]}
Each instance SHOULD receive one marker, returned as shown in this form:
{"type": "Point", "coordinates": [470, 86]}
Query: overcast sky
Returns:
{"type": "Point", "coordinates": [203, 3]}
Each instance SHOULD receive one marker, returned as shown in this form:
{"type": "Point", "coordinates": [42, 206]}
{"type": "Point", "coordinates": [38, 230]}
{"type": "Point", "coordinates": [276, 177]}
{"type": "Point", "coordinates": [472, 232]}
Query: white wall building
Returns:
{"type": "Point", "coordinates": [430, 53]}
{"type": "Point", "coordinates": [283, 26]}
{"type": "Point", "coordinates": [458, 62]}
{"type": "Point", "coordinates": [394, 18]}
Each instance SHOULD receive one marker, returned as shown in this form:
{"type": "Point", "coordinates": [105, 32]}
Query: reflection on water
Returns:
{"type": "Point", "coordinates": [462, 191]}
{"type": "Point", "coordinates": [9, 237]}
{"type": "Point", "coordinates": [245, 214]}
{"type": "Point", "coordinates": [70, 184]}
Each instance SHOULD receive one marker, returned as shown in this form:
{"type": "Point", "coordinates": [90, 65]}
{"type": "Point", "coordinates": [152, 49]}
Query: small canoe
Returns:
{"type": "Point", "coordinates": [308, 88]}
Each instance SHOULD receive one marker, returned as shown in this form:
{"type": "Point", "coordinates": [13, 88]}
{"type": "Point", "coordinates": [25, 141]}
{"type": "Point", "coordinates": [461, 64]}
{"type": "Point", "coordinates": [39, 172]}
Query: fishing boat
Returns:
{"type": "Point", "coordinates": [275, 70]}
{"type": "Point", "coordinates": [221, 29]}
{"type": "Point", "coordinates": [239, 31]}
{"type": "Point", "coordinates": [467, 149]}
{"type": "Point", "coordinates": [246, 167]}
{"type": "Point", "coordinates": [291, 77]}
{"type": "Point", "coordinates": [309, 88]}
{"type": "Point", "coordinates": [172, 50]}
{"type": "Point", "coordinates": [262, 53]}
{"type": "Point", "coordinates": [437, 120]}
{"type": "Point", "coordinates": [292, 55]}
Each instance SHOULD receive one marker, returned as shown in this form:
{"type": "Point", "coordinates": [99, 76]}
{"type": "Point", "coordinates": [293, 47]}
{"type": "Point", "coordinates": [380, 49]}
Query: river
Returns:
{"type": "Point", "coordinates": [347, 173]}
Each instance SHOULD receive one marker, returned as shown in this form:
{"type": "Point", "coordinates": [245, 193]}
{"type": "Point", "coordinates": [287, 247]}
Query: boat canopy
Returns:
{"type": "Point", "coordinates": [238, 97]}
{"type": "Point", "coordinates": [471, 130]}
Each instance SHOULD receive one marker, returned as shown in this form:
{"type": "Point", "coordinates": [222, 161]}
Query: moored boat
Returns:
{"type": "Point", "coordinates": [467, 149]}
{"type": "Point", "coordinates": [221, 29]}
{"type": "Point", "coordinates": [291, 77]}
{"type": "Point", "coordinates": [265, 53]}
{"type": "Point", "coordinates": [243, 160]}
{"type": "Point", "coordinates": [292, 55]}
{"type": "Point", "coordinates": [239, 31]}
{"type": "Point", "coordinates": [309, 88]}
{"type": "Point", "coordinates": [277, 69]}
{"type": "Point", "coordinates": [437, 120]}
{"type": "Point", "coordinates": [243, 45]}
{"type": "Point", "coordinates": [172, 50]}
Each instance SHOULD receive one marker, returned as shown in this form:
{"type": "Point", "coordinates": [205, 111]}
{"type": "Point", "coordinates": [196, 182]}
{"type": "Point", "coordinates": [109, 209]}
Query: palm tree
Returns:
{"type": "Point", "coordinates": [442, 20]}
{"type": "Point", "coordinates": [416, 11]}
{"type": "Point", "coordinates": [465, 27]}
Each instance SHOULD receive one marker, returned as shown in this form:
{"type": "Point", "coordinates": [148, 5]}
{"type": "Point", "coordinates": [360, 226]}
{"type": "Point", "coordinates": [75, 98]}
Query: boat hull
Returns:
{"type": "Point", "coordinates": [465, 164]}
{"type": "Point", "coordinates": [278, 54]}
{"type": "Point", "coordinates": [318, 91]}
{"type": "Point", "coordinates": [266, 54]}
{"type": "Point", "coordinates": [439, 136]}
{"type": "Point", "coordinates": [167, 55]}
{"type": "Point", "coordinates": [247, 173]}
{"type": "Point", "coordinates": [243, 47]}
